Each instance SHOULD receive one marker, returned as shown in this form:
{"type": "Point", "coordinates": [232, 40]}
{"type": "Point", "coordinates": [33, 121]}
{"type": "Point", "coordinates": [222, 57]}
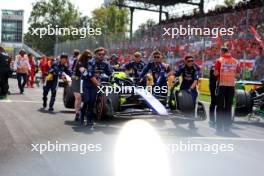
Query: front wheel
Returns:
{"type": "Point", "coordinates": [106, 106]}
{"type": "Point", "coordinates": [68, 97]}
{"type": "Point", "coordinates": [201, 112]}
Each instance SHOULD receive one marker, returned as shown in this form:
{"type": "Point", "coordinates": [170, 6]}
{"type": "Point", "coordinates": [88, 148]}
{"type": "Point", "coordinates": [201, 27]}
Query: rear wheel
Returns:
{"type": "Point", "coordinates": [244, 104]}
{"type": "Point", "coordinates": [107, 106]}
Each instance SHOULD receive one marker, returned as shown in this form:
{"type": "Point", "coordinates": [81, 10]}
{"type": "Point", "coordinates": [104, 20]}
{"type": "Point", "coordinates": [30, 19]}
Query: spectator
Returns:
{"type": "Point", "coordinates": [31, 73]}
{"type": "Point", "coordinates": [44, 67]}
{"type": "Point", "coordinates": [73, 59]}
{"type": "Point", "coordinates": [22, 68]}
{"type": "Point", "coordinates": [258, 72]}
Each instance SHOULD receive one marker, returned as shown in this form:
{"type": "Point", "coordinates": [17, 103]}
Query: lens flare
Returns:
{"type": "Point", "coordinates": [140, 152]}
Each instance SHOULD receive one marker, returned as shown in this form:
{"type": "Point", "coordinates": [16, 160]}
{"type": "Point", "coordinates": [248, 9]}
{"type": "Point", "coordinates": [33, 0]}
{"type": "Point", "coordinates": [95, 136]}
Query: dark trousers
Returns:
{"type": "Point", "coordinates": [21, 84]}
{"type": "Point", "coordinates": [89, 102]}
{"type": "Point", "coordinates": [4, 84]}
{"type": "Point", "coordinates": [50, 86]}
{"type": "Point", "coordinates": [194, 94]}
{"type": "Point", "coordinates": [225, 95]}
{"type": "Point", "coordinates": [213, 103]}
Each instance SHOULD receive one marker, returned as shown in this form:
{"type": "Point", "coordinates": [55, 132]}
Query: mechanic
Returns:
{"type": "Point", "coordinates": [190, 76]}
{"type": "Point", "coordinates": [159, 72]}
{"type": "Point", "coordinates": [90, 83]}
{"type": "Point", "coordinates": [198, 68]}
{"type": "Point", "coordinates": [22, 68]}
{"type": "Point", "coordinates": [212, 88]}
{"type": "Point", "coordinates": [136, 67]}
{"type": "Point", "coordinates": [5, 70]}
{"type": "Point", "coordinates": [78, 68]}
{"type": "Point", "coordinates": [226, 71]}
{"type": "Point", "coordinates": [114, 63]}
{"type": "Point", "coordinates": [58, 70]}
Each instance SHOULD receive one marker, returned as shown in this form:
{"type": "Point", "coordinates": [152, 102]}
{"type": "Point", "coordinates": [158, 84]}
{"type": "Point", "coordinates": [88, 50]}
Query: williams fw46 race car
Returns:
{"type": "Point", "coordinates": [121, 96]}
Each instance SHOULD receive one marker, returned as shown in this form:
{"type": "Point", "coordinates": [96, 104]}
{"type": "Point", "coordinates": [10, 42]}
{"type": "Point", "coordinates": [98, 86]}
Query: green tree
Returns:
{"type": "Point", "coordinates": [219, 7]}
{"type": "Point", "coordinates": [112, 20]}
{"type": "Point", "coordinates": [142, 28]}
{"type": "Point", "coordinates": [230, 3]}
{"type": "Point", "coordinates": [54, 13]}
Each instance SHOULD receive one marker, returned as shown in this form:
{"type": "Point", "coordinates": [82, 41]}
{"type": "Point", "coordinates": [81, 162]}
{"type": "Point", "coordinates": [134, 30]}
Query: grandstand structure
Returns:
{"type": "Point", "coordinates": [246, 18]}
{"type": "Point", "coordinates": [159, 6]}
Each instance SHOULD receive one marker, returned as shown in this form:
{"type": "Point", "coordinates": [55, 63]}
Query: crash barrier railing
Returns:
{"type": "Point", "coordinates": [203, 85]}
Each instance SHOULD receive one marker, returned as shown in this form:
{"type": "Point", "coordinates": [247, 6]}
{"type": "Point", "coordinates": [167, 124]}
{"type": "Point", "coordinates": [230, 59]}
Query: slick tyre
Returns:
{"type": "Point", "coordinates": [244, 104]}
{"type": "Point", "coordinates": [185, 101]}
{"type": "Point", "coordinates": [68, 97]}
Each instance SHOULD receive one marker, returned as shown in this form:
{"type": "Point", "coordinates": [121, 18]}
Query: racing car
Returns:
{"type": "Point", "coordinates": [249, 103]}
{"type": "Point", "coordinates": [124, 103]}
{"type": "Point", "coordinates": [138, 101]}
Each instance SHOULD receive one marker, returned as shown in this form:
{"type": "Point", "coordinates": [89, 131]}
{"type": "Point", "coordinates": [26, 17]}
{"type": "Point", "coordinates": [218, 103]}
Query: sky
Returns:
{"type": "Point", "coordinates": [86, 7]}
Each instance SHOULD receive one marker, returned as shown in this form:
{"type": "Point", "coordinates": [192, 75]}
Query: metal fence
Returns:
{"type": "Point", "coordinates": [240, 20]}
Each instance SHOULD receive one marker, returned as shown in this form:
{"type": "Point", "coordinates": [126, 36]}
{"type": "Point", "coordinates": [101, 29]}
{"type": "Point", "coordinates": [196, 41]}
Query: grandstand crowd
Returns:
{"type": "Point", "coordinates": [246, 18]}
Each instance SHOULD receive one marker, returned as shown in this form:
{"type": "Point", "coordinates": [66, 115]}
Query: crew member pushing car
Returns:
{"type": "Point", "coordinates": [158, 69]}
{"type": "Point", "coordinates": [58, 70]}
{"type": "Point", "coordinates": [91, 80]}
{"type": "Point", "coordinates": [190, 75]}
{"type": "Point", "coordinates": [136, 67]}
{"type": "Point", "coordinates": [114, 62]}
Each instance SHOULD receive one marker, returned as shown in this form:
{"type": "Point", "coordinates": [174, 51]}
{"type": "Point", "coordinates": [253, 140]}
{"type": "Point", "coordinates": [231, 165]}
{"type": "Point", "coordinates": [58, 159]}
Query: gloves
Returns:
{"type": "Point", "coordinates": [176, 83]}
{"type": "Point", "coordinates": [85, 73]}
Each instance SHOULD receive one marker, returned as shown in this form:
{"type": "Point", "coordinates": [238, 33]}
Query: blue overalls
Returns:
{"type": "Point", "coordinates": [159, 74]}
{"type": "Point", "coordinates": [88, 89]}
{"type": "Point", "coordinates": [57, 71]}
{"type": "Point", "coordinates": [189, 75]}
{"type": "Point", "coordinates": [137, 68]}
{"type": "Point", "coordinates": [116, 66]}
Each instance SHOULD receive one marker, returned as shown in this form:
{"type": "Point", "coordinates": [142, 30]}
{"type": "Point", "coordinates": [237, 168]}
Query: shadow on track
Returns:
{"type": "Point", "coordinates": [67, 111]}
{"type": "Point", "coordinates": [47, 111]}
{"type": "Point", "coordinates": [105, 126]}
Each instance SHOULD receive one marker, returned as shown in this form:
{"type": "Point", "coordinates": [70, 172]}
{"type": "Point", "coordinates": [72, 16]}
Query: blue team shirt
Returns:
{"type": "Point", "coordinates": [189, 75]}
{"type": "Point", "coordinates": [95, 69]}
{"type": "Point", "coordinates": [159, 72]}
{"type": "Point", "coordinates": [57, 69]}
{"type": "Point", "coordinates": [137, 67]}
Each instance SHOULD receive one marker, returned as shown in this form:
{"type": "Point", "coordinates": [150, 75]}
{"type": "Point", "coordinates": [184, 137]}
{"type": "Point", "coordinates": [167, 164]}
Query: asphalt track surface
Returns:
{"type": "Point", "coordinates": [23, 125]}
